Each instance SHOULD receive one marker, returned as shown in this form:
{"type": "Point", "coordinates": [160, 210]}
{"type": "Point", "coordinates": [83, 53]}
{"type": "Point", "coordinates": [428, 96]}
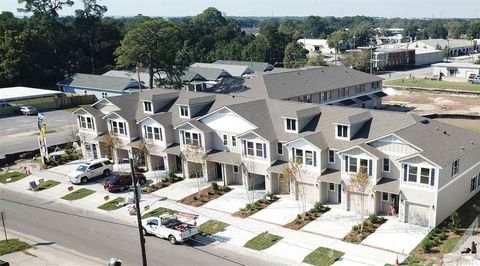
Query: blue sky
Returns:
{"type": "Point", "coordinates": [380, 8]}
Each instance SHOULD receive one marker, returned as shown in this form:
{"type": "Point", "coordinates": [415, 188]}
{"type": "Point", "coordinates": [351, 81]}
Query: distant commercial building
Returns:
{"type": "Point", "coordinates": [459, 70]}
{"type": "Point", "coordinates": [393, 58]}
{"type": "Point", "coordinates": [316, 46]}
{"type": "Point", "coordinates": [456, 47]}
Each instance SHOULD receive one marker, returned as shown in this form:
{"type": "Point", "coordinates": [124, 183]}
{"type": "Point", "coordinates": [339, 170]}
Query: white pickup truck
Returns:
{"type": "Point", "coordinates": [170, 227]}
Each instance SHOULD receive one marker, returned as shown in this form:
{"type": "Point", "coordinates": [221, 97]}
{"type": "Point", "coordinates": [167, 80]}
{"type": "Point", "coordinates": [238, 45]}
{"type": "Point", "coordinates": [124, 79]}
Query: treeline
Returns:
{"type": "Point", "coordinates": [41, 49]}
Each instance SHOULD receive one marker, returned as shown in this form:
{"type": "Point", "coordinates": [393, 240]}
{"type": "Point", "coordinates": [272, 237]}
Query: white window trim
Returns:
{"type": "Point", "coordinates": [145, 109]}
{"type": "Point", "coordinates": [180, 108]}
{"type": "Point", "coordinates": [334, 187]}
{"type": "Point", "coordinates": [358, 163]}
{"type": "Point", "coordinates": [334, 156]}
{"type": "Point", "coordinates": [389, 165]}
{"type": "Point", "coordinates": [118, 123]}
{"type": "Point", "coordinates": [238, 170]}
{"type": "Point", "coordinates": [286, 123]}
{"type": "Point", "coordinates": [458, 168]}
{"type": "Point", "coordinates": [183, 137]}
{"type": "Point", "coordinates": [225, 139]}
{"type": "Point", "coordinates": [160, 132]}
{"type": "Point", "coordinates": [92, 119]}
{"type": "Point", "coordinates": [419, 169]}
{"type": "Point", "coordinates": [254, 148]}
{"type": "Point", "coordinates": [388, 197]}
{"type": "Point", "coordinates": [280, 143]}
{"type": "Point", "coordinates": [336, 132]}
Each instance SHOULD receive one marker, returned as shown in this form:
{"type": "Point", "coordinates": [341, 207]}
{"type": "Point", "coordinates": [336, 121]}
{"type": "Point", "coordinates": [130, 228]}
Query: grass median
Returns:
{"type": "Point", "coordinates": [78, 194]}
{"type": "Point", "coordinates": [46, 185]}
{"type": "Point", "coordinates": [434, 84]}
{"type": "Point", "coordinates": [113, 204]}
{"type": "Point", "coordinates": [11, 177]}
{"type": "Point", "coordinates": [157, 212]}
{"type": "Point", "coordinates": [323, 257]}
{"type": "Point", "coordinates": [262, 241]}
{"type": "Point", "coordinates": [212, 227]}
{"type": "Point", "coordinates": [12, 245]}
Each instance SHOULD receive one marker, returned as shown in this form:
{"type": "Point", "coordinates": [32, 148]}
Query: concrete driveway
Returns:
{"type": "Point", "coordinates": [406, 236]}
{"type": "Point", "coordinates": [334, 223]}
{"type": "Point", "coordinates": [234, 200]}
{"type": "Point", "coordinates": [182, 189]}
{"type": "Point", "coordinates": [280, 212]}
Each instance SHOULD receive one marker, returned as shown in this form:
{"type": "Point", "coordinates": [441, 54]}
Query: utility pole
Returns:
{"type": "Point", "coordinates": [139, 218]}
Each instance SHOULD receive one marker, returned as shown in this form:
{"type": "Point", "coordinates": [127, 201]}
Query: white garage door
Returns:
{"type": "Point", "coordinates": [308, 191]}
{"type": "Point", "coordinates": [355, 203]}
{"type": "Point", "coordinates": [418, 214]}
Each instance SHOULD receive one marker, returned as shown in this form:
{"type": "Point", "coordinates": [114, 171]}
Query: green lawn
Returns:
{"type": "Point", "coordinates": [113, 204]}
{"type": "Point", "coordinates": [426, 83]}
{"type": "Point", "coordinates": [46, 185]}
{"type": "Point", "coordinates": [72, 109]}
{"type": "Point", "coordinates": [14, 176]}
{"type": "Point", "coordinates": [449, 244]}
{"type": "Point", "coordinates": [157, 212]}
{"type": "Point", "coordinates": [78, 194]}
{"type": "Point", "coordinates": [12, 245]}
{"type": "Point", "coordinates": [262, 241]}
{"type": "Point", "coordinates": [211, 227]}
{"type": "Point", "coordinates": [323, 257]}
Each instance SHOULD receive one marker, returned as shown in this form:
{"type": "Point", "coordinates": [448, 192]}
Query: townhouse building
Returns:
{"type": "Point", "coordinates": [332, 85]}
{"type": "Point", "coordinates": [424, 168]}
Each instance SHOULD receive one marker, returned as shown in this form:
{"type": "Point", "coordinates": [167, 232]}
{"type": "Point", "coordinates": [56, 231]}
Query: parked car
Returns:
{"type": "Point", "coordinates": [122, 181]}
{"type": "Point", "coordinates": [476, 80]}
{"type": "Point", "coordinates": [3, 105]}
{"type": "Point", "coordinates": [170, 227]}
{"type": "Point", "coordinates": [435, 77]}
{"type": "Point", "coordinates": [28, 110]}
{"type": "Point", "coordinates": [471, 76]}
{"type": "Point", "coordinates": [89, 170]}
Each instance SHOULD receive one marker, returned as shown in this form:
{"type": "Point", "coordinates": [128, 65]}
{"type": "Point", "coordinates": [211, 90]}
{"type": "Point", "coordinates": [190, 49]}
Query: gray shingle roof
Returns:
{"type": "Point", "coordinates": [110, 83]}
{"type": "Point", "coordinates": [298, 82]}
{"type": "Point", "coordinates": [203, 73]}
{"type": "Point", "coordinates": [255, 66]}
{"type": "Point", "coordinates": [234, 70]}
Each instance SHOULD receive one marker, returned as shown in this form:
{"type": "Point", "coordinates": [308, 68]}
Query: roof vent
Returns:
{"type": "Point", "coordinates": [424, 121]}
{"type": "Point", "coordinates": [471, 142]}
{"type": "Point", "coordinates": [437, 128]}
{"type": "Point", "coordinates": [463, 148]}
{"type": "Point", "coordinates": [445, 132]}
{"type": "Point", "coordinates": [233, 96]}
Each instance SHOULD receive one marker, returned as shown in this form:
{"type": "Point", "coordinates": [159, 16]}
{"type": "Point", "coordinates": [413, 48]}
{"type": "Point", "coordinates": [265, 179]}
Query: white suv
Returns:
{"type": "Point", "coordinates": [89, 170]}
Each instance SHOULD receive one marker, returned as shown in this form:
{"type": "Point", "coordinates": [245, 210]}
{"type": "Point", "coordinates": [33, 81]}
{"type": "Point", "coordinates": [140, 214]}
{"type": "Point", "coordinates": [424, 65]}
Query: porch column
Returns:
{"type": "Point", "coordinates": [166, 163]}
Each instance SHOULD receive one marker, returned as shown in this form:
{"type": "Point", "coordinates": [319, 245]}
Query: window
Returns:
{"type": "Point", "coordinates": [225, 139]}
{"type": "Point", "coordinates": [250, 151]}
{"type": "Point", "coordinates": [473, 184]}
{"type": "Point", "coordinates": [147, 107]}
{"type": "Point", "coordinates": [235, 169]}
{"type": "Point", "coordinates": [299, 156]}
{"type": "Point", "coordinates": [234, 141]}
{"type": "Point", "coordinates": [425, 175]}
{"type": "Point", "coordinates": [259, 149]}
{"type": "Point", "coordinates": [118, 128]}
{"type": "Point", "coordinates": [291, 124]}
{"type": "Point", "coordinates": [184, 112]}
{"type": "Point", "coordinates": [386, 165]}
{"type": "Point", "coordinates": [384, 196]}
{"type": "Point", "coordinates": [455, 167]}
{"type": "Point", "coordinates": [192, 138]}
{"type": "Point", "coordinates": [331, 186]}
{"type": "Point", "coordinates": [331, 156]}
{"type": "Point", "coordinates": [279, 148]}
{"type": "Point", "coordinates": [412, 174]}
{"type": "Point", "coordinates": [364, 166]}
{"type": "Point", "coordinates": [352, 165]}
{"type": "Point", "coordinates": [153, 133]}
{"type": "Point", "coordinates": [308, 158]}
{"type": "Point", "coordinates": [342, 131]}
{"type": "Point", "coordinates": [86, 122]}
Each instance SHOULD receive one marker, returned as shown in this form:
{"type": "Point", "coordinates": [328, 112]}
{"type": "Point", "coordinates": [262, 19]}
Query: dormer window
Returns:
{"type": "Point", "coordinates": [184, 112]}
{"type": "Point", "coordinates": [290, 125]}
{"type": "Point", "coordinates": [342, 132]}
{"type": "Point", "coordinates": [147, 107]}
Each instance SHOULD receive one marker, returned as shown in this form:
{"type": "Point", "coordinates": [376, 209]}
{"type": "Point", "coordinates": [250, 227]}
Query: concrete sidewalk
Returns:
{"type": "Point", "coordinates": [44, 253]}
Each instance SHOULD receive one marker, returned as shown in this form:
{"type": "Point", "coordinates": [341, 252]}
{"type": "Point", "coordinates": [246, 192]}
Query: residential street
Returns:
{"type": "Point", "coordinates": [101, 236]}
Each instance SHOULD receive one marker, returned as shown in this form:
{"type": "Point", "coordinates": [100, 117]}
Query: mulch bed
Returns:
{"type": "Point", "coordinates": [257, 206]}
{"type": "Point", "coordinates": [162, 184]}
{"type": "Point", "coordinates": [307, 217]}
{"type": "Point", "coordinates": [205, 195]}
{"type": "Point", "coordinates": [369, 226]}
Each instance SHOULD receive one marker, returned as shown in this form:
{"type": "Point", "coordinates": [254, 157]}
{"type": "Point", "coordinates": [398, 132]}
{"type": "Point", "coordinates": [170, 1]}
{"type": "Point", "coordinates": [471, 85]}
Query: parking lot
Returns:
{"type": "Point", "coordinates": [21, 124]}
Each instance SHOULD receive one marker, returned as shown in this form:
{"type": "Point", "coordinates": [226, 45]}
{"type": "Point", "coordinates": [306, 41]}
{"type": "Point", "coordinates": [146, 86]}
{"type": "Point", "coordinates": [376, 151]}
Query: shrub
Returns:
{"type": "Point", "coordinates": [436, 231]}
{"type": "Point", "coordinates": [426, 245]}
{"type": "Point", "coordinates": [171, 176]}
{"type": "Point", "coordinates": [311, 218]}
{"type": "Point", "coordinates": [454, 222]}
{"type": "Point", "coordinates": [444, 230]}
{"type": "Point", "coordinates": [297, 221]}
{"type": "Point", "coordinates": [443, 236]}
{"type": "Point", "coordinates": [318, 206]}
{"type": "Point", "coordinates": [355, 227]}
{"type": "Point", "coordinates": [373, 218]}
{"type": "Point", "coordinates": [248, 207]}
{"type": "Point", "coordinates": [256, 204]}
{"type": "Point", "coordinates": [299, 216]}
{"type": "Point", "coordinates": [215, 188]}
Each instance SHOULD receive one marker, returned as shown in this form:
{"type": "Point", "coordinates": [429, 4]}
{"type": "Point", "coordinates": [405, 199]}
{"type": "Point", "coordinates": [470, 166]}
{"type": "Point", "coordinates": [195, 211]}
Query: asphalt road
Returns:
{"type": "Point", "coordinates": [103, 237]}
{"type": "Point", "coordinates": [55, 119]}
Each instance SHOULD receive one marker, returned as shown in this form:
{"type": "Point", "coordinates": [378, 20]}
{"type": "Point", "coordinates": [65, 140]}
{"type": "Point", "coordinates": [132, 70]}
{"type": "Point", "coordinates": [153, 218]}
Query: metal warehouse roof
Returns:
{"type": "Point", "coordinates": [21, 93]}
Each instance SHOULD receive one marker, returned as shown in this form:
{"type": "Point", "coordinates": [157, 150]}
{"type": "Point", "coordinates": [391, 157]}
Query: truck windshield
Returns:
{"type": "Point", "coordinates": [82, 168]}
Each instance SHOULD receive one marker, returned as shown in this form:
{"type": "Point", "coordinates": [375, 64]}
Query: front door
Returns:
{"type": "Point", "coordinates": [218, 171]}
{"type": "Point", "coordinates": [94, 150]}
{"type": "Point", "coordinates": [178, 163]}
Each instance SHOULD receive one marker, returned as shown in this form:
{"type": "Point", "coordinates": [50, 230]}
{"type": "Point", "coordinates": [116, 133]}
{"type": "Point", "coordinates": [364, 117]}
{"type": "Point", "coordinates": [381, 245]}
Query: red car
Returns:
{"type": "Point", "coordinates": [122, 181]}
